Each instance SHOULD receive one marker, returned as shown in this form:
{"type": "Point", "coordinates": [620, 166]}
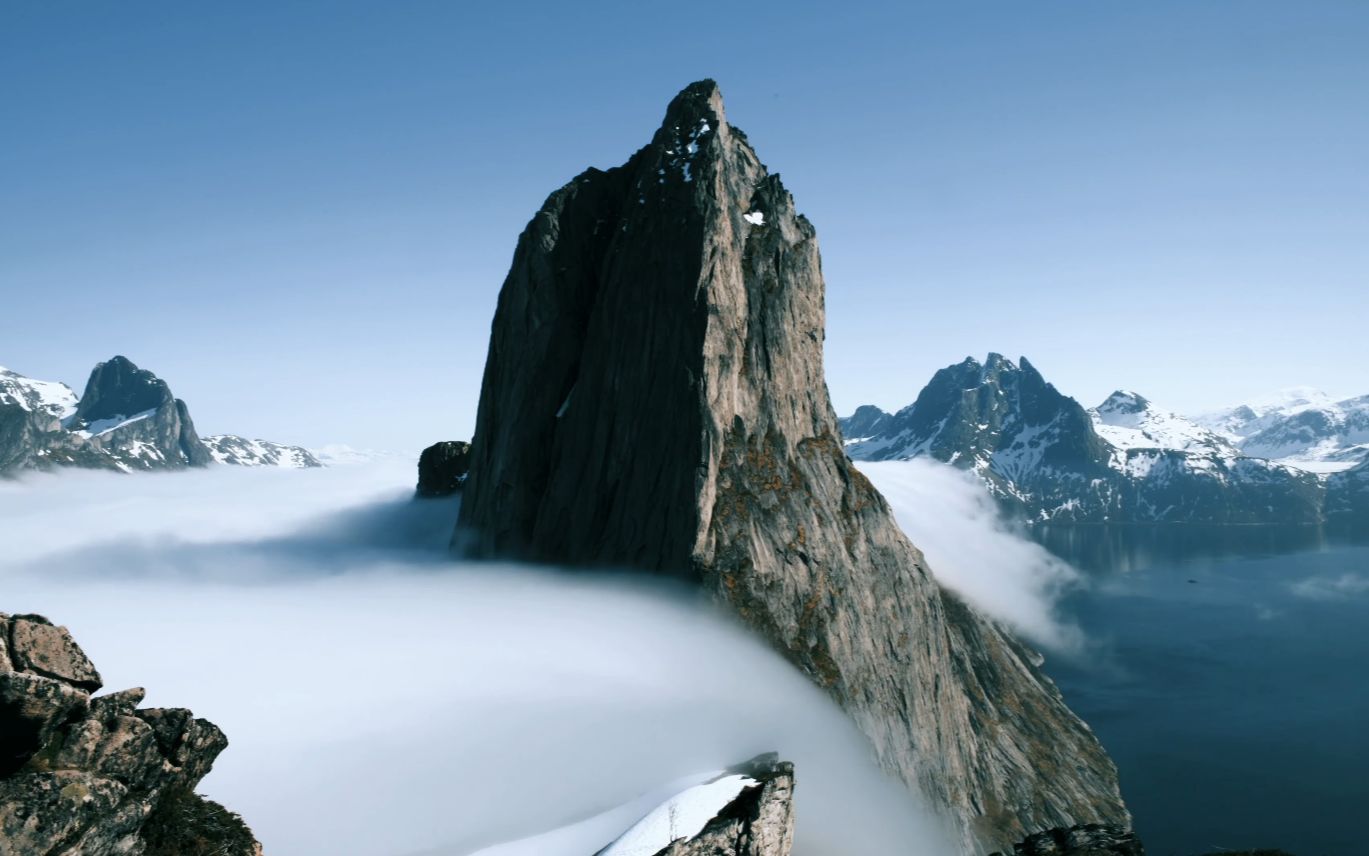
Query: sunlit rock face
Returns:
{"type": "Point", "coordinates": [654, 399]}
{"type": "Point", "coordinates": [98, 775]}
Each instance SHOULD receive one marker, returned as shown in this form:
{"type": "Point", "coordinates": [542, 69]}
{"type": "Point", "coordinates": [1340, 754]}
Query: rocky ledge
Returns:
{"type": "Point", "coordinates": [748, 810]}
{"type": "Point", "coordinates": [97, 775]}
{"type": "Point", "coordinates": [1089, 839]}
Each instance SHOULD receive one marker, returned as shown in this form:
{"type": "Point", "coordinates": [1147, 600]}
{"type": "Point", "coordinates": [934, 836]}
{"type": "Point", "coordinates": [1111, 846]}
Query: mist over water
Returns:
{"type": "Point", "coordinates": [974, 552]}
{"type": "Point", "coordinates": [381, 698]}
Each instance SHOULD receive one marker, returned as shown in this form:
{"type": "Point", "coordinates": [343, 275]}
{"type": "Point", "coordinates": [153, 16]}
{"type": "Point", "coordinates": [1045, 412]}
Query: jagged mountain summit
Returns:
{"type": "Point", "coordinates": [1048, 459]}
{"type": "Point", "coordinates": [126, 420]}
{"type": "Point", "coordinates": [654, 399]}
{"type": "Point", "coordinates": [130, 414]}
{"type": "Point", "coordinates": [1302, 427]}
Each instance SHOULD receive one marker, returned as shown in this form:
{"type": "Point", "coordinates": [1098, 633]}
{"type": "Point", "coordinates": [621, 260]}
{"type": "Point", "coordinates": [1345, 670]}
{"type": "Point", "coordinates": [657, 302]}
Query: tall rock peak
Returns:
{"type": "Point", "coordinates": [654, 398]}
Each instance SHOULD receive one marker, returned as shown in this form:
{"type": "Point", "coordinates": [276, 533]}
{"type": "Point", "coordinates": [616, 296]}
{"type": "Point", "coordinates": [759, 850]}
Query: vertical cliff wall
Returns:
{"type": "Point", "coordinates": [654, 398]}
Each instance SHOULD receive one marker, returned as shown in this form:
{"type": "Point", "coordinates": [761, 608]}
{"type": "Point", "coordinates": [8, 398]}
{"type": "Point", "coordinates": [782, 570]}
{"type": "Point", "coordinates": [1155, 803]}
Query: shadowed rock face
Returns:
{"type": "Point", "coordinates": [442, 468]}
{"type": "Point", "coordinates": [98, 776]}
{"type": "Point", "coordinates": [654, 399]}
{"type": "Point", "coordinates": [116, 394]}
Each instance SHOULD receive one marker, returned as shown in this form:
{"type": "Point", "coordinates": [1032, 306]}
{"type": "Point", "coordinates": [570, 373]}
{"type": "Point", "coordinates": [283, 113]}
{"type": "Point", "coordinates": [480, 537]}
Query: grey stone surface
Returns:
{"type": "Point", "coordinates": [654, 399]}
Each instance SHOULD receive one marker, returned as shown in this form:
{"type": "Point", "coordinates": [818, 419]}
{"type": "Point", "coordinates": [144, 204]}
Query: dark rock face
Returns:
{"type": "Point", "coordinates": [1086, 840]}
{"type": "Point", "coordinates": [118, 389]}
{"type": "Point", "coordinates": [97, 776]}
{"type": "Point", "coordinates": [759, 822]}
{"type": "Point", "coordinates": [442, 468]}
{"type": "Point", "coordinates": [131, 413]}
{"type": "Point", "coordinates": [654, 399]}
{"type": "Point", "coordinates": [1347, 496]}
{"type": "Point", "coordinates": [1041, 455]}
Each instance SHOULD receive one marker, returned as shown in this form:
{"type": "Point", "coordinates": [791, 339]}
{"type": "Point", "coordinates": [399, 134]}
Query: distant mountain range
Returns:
{"type": "Point", "coordinates": [127, 420]}
{"type": "Point", "coordinates": [1304, 428]}
{"type": "Point", "coordinates": [1300, 460]}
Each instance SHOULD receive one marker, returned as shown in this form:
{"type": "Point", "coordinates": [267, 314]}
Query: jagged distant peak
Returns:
{"type": "Point", "coordinates": [1124, 401]}
{"type": "Point", "coordinates": [127, 420]}
{"type": "Point", "coordinates": [117, 388]}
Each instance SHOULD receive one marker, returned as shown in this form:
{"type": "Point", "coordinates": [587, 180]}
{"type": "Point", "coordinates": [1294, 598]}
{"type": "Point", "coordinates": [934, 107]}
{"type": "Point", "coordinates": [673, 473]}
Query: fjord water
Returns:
{"type": "Point", "coordinates": [1226, 676]}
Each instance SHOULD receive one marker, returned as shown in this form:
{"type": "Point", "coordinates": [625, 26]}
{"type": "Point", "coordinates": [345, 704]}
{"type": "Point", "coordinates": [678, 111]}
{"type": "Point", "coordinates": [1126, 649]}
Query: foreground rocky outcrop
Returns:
{"type": "Point", "coordinates": [127, 420]}
{"type": "Point", "coordinates": [442, 469]}
{"type": "Point", "coordinates": [757, 821]}
{"type": "Point", "coordinates": [654, 399]}
{"type": "Point", "coordinates": [91, 776]}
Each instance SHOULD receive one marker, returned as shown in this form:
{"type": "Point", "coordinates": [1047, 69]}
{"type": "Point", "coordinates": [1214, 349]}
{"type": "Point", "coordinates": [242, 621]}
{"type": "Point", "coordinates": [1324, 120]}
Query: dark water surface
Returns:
{"type": "Point", "coordinates": [1230, 682]}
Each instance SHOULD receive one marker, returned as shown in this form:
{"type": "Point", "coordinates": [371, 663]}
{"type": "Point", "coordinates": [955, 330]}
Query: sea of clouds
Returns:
{"type": "Point", "coordinates": [382, 698]}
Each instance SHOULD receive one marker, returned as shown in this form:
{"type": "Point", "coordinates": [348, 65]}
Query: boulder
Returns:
{"type": "Point", "coordinates": [442, 468]}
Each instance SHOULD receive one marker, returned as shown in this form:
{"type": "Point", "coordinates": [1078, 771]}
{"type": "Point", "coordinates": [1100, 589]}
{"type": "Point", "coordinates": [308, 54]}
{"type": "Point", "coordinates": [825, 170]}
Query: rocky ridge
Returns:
{"type": "Point", "coordinates": [93, 775]}
{"type": "Point", "coordinates": [240, 451]}
{"type": "Point", "coordinates": [654, 399]}
{"type": "Point", "coordinates": [1049, 460]}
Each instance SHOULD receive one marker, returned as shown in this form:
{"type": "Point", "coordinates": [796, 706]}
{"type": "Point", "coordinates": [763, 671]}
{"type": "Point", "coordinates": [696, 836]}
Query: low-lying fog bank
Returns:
{"type": "Point", "coordinates": [382, 699]}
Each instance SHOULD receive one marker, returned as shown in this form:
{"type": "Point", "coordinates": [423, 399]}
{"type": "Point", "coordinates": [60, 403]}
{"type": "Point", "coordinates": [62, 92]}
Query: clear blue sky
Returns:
{"type": "Point", "coordinates": [300, 213]}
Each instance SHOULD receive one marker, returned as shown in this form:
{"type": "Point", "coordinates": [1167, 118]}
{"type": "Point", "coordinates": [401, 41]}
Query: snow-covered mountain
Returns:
{"type": "Point", "coordinates": [45, 396]}
{"type": "Point", "coordinates": [127, 420]}
{"type": "Point", "coordinates": [232, 449]}
{"type": "Point", "coordinates": [1044, 456]}
{"type": "Point", "coordinates": [1130, 421]}
{"type": "Point", "coordinates": [1301, 427]}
